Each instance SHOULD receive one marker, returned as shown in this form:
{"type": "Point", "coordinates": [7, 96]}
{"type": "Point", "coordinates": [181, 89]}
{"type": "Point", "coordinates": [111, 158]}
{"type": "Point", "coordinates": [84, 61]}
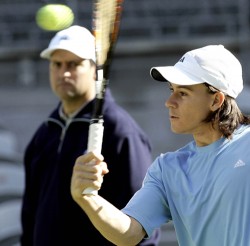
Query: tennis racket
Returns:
{"type": "Point", "coordinates": [105, 26]}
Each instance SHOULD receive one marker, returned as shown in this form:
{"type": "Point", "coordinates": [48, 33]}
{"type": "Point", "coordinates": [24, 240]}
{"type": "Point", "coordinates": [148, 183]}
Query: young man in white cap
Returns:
{"type": "Point", "coordinates": [50, 216]}
{"type": "Point", "coordinates": [203, 187]}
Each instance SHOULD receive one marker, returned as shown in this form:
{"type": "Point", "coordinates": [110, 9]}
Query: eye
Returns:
{"type": "Point", "coordinates": [171, 89]}
{"type": "Point", "coordinates": [182, 93]}
{"type": "Point", "coordinates": [177, 92]}
{"type": "Point", "coordinates": [73, 64]}
{"type": "Point", "coordinates": [56, 64]}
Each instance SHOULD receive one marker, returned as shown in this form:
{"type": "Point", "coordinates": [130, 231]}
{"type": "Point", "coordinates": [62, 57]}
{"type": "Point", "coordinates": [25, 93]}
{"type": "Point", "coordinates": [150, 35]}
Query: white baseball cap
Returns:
{"type": "Point", "coordinates": [75, 39]}
{"type": "Point", "coordinates": [212, 64]}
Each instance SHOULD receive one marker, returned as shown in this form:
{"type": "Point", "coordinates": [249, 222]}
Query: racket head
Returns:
{"type": "Point", "coordinates": [105, 26]}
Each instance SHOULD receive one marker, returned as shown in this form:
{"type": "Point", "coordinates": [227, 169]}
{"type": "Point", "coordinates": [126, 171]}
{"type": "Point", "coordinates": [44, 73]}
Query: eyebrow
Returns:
{"type": "Point", "coordinates": [67, 61]}
{"type": "Point", "coordinates": [187, 87]}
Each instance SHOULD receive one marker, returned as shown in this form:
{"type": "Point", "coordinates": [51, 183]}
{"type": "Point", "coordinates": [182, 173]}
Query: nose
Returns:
{"type": "Point", "coordinates": [170, 102]}
{"type": "Point", "coordinates": [67, 73]}
{"type": "Point", "coordinates": [64, 71]}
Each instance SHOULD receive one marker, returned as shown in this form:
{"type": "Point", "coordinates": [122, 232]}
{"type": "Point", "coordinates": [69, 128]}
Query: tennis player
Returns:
{"type": "Point", "coordinates": [203, 187]}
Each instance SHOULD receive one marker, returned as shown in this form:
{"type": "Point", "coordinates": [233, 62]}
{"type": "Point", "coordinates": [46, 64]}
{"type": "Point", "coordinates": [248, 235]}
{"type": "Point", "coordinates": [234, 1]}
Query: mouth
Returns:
{"type": "Point", "coordinates": [65, 87]}
{"type": "Point", "coordinates": [65, 81]}
{"type": "Point", "coordinates": [172, 117]}
{"type": "Point", "coordinates": [64, 84]}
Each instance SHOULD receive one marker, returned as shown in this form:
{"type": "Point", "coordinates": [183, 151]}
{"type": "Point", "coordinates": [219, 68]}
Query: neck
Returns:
{"type": "Point", "coordinates": [73, 105]}
{"type": "Point", "coordinates": [207, 136]}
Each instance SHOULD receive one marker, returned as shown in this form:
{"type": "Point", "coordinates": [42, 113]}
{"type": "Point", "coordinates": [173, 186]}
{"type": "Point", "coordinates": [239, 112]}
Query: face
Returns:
{"type": "Point", "coordinates": [72, 78]}
{"type": "Point", "coordinates": [188, 107]}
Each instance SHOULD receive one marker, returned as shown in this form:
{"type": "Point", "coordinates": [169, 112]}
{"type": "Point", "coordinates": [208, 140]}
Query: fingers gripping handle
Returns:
{"type": "Point", "coordinates": [94, 144]}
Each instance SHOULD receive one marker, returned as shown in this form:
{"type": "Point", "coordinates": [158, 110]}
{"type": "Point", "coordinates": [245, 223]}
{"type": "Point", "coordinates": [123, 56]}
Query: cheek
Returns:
{"type": "Point", "coordinates": [199, 112]}
{"type": "Point", "coordinates": [84, 76]}
{"type": "Point", "coordinates": [53, 80]}
{"type": "Point", "coordinates": [196, 111]}
{"type": "Point", "coordinates": [82, 82]}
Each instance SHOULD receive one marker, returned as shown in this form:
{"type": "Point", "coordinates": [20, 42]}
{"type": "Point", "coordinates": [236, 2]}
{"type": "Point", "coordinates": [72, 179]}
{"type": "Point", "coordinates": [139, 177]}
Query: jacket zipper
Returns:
{"type": "Point", "coordinates": [65, 128]}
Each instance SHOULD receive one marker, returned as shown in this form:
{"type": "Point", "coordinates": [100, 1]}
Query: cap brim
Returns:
{"type": "Point", "coordinates": [48, 52]}
{"type": "Point", "coordinates": [173, 75]}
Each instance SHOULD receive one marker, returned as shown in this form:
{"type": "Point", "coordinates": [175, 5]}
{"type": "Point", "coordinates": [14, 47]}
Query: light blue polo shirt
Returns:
{"type": "Point", "coordinates": [205, 191]}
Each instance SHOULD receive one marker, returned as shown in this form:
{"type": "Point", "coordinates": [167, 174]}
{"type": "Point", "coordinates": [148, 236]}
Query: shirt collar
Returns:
{"type": "Point", "coordinates": [70, 116]}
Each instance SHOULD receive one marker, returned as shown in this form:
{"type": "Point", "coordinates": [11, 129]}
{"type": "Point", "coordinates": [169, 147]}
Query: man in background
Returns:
{"type": "Point", "coordinates": [49, 214]}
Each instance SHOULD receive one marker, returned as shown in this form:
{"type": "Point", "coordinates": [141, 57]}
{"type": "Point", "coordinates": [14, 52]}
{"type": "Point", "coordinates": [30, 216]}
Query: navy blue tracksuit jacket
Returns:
{"type": "Point", "coordinates": [50, 217]}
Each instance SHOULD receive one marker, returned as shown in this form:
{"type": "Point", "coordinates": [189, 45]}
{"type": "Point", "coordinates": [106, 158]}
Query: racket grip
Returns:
{"type": "Point", "coordinates": [94, 144]}
{"type": "Point", "coordinates": [95, 137]}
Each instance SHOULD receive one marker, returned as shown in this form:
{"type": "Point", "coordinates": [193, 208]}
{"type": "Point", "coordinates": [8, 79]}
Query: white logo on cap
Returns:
{"type": "Point", "coordinates": [64, 38]}
{"type": "Point", "coordinates": [182, 59]}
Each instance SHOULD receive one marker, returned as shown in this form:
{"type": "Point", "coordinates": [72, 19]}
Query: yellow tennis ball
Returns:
{"type": "Point", "coordinates": [54, 17]}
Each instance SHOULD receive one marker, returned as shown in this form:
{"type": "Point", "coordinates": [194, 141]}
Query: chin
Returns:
{"type": "Point", "coordinates": [178, 130]}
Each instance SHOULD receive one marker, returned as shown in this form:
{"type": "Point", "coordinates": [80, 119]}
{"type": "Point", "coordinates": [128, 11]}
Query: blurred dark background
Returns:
{"type": "Point", "coordinates": [153, 33]}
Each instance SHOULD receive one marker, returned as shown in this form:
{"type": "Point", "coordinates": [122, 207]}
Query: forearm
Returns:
{"type": "Point", "coordinates": [114, 225]}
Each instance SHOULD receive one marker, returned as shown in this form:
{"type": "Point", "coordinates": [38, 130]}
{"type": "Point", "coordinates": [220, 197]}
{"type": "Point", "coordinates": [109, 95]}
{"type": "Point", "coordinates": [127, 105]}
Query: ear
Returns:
{"type": "Point", "coordinates": [218, 99]}
{"type": "Point", "coordinates": [94, 72]}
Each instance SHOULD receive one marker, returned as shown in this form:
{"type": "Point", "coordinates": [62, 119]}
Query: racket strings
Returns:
{"type": "Point", "coordinates": [105, 27]}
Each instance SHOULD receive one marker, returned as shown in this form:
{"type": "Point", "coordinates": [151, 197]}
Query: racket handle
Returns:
{"type": "Point", "coordinates": [95, 137]}
{"type": "Point", "coordinates": [94, 144]}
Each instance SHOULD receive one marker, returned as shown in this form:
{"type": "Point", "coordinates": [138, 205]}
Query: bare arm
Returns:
{"type": "Point", "coordinates": [114, 225]}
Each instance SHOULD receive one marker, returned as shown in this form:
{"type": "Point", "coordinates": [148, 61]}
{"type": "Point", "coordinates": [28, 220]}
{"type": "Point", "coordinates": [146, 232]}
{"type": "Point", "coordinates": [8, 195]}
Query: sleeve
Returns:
{"type": "Point", "coordinates": [149, 205]}
{"type": "Point", "coordinates": [31, 193]}
{"type": "Point", "coordinates": [27, 211]}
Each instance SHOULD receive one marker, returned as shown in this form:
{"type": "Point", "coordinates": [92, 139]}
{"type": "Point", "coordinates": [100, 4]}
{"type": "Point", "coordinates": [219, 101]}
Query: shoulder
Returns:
{"type": "Point", "coordinates": [242, 130]}
{"type": "Point", "coordinates": [41, 131]}
{"type": "Point", "coordinates": [117, 117]}
{"type": "Point", "coordinates": [241, 134]}
{"type": "Point", "coordinates": [166, 167]}
{"type": "Point", "coordinates": [171, 159]}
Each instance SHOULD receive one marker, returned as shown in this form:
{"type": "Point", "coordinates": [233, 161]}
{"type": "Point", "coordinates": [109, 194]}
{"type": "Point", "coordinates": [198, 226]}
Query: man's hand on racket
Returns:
{"type": "Point", "coordinates": [88, 171]}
